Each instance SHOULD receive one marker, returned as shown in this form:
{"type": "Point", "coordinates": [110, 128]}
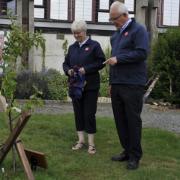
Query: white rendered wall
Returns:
{"type": "Point", "coordinates": [55, 54]}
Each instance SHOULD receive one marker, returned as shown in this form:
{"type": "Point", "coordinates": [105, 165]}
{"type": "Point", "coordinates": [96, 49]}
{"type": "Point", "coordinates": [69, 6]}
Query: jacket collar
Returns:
{"type": "Point", "coordinates": [84, 42]}
{"type": "Point", "coordinates": [126, 26]}
{"type": "Point", "coordinates": [129, 24]}
{"type": "Point", "coordinates": [88, 41]}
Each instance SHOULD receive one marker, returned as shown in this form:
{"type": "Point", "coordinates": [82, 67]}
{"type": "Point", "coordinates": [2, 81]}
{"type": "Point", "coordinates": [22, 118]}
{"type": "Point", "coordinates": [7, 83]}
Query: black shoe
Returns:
{"type": "Point", "coordinates": [132, 164]}
{"type": "Point", "coordinates": [120, 157]}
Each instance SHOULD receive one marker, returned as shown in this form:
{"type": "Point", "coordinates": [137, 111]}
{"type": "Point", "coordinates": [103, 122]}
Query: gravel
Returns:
{"type": "Point", "coordinates": [152, 116]}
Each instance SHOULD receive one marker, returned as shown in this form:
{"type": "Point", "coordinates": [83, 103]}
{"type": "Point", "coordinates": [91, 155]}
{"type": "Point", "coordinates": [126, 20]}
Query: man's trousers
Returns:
{"type": "Point", "coordinates": [127, 102]}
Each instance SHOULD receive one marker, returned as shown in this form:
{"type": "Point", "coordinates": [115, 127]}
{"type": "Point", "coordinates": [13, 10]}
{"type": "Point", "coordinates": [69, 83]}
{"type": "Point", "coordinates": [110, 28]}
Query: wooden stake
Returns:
{"type": "Point", "coordinates": [24, 160]}
{"type": "Point", "coordinates": [150, 88]}
{"type": "Point", "coordinates": [22, 120]}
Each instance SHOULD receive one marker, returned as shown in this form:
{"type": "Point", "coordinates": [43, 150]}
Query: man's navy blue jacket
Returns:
{"type": "Point", "coordinates": [90, 56]}
{"type": "Point", "coordinates": [131, 49]}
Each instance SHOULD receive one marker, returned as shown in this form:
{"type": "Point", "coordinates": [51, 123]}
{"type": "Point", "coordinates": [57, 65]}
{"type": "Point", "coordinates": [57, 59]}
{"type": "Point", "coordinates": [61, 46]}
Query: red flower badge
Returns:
{"type": "Point", "coordinates": [126, 34]}
{"type": "Point", "coordinates": [87, 49]}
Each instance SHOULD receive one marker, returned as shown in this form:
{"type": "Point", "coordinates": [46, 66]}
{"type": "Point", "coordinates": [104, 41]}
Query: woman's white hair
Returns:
{"type": "Point", "coordinates": [121, 8]}
{"type": "Point", "coordinates": [79, 26]}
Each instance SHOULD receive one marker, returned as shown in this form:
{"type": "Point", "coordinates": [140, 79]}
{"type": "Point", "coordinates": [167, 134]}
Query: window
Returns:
{"type": "Point", "coordinates": [103, 17]}
{"type": "Point", "coordinates": [7, 6]}
{"type": "Point", "coordinates": [103, 11]}
{"type": "Point", "coordinates": [39, 10]}
{"type": "Point", "coordinates": [96, 11]}
{"type": "Point", "coordinates": [171, 12]}
{"type": "Point", "coordinates": [104, 5]}
{"type": "Point", "coordinates": [59, 9]}
{"type": "Point", "coordinates": [83, 10]}
{"type": "Point", "coordinates": [130, 5]}
{"type": "Point", "coordinates": [11, 6]}
{"type": "Point", "coordinates": [38, 2]}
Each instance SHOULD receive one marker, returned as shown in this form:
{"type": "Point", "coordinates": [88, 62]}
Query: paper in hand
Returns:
{"type": "Point", "coordinates": [105, 62]}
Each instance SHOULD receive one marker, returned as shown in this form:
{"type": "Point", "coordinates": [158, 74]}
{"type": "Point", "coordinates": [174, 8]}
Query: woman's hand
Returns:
{"type": "Point", "coordinates": [70, 72]}
{"type": "Point", "coordinates": [82, 70]}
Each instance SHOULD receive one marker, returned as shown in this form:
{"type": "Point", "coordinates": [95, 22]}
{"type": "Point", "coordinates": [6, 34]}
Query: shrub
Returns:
{"type": "Point", "coordinates": [104, 79]}
{"type": "Point", "coordinates": [104, 76]}
{"type": "Point", "coordinates": [26, 81]}
{"type": "Point", "coordinates": [104, 92]}
{"type": "Point", "coordinates": [56, 85]}
{"type": "Point", "coordinates": [165, 61]}
{"type": "Point", "coordinates": [51, 83]}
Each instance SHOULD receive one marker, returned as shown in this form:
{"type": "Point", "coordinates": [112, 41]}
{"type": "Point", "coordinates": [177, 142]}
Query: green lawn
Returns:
{"type": "Point", "coordinates": [55, 134]}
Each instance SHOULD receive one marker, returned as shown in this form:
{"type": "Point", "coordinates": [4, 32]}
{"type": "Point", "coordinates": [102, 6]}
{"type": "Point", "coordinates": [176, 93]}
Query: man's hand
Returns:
{"type": "Point", "coordinates": [70, 72]}
{"type": "Point", "coordinates": [112, 61]}
{"type": "Point", "coordinates": [82, 70]}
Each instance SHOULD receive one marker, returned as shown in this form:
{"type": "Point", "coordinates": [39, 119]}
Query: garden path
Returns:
{"type": "Point", "coordinates": [152, 116]}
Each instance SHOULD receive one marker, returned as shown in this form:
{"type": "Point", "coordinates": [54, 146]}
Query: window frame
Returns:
{"type": "Point", "coordinates": [43, 6]}
{"type": "Point", "coordinates": [161, 16]}
{"type": "Point", "coordinates": [71, 11]}
{"type": "Point", "coordinates": [92, 12]}
{"type": "Point", "coordinates": [5, 8]}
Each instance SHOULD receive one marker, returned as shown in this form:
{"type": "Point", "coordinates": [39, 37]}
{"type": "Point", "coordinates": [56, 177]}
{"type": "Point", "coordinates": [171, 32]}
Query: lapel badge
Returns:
{"type": "Point", "coordinates": [87, 49]}
{"type": "Point", "coordinates": [126, 34]}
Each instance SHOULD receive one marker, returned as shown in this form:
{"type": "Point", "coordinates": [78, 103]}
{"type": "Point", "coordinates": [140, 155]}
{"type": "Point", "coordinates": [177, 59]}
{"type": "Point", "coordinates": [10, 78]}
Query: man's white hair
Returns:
{"type": "Point", "coordinates": [121, 8]}
{"type": "Point", "coordinates": [79, 26]}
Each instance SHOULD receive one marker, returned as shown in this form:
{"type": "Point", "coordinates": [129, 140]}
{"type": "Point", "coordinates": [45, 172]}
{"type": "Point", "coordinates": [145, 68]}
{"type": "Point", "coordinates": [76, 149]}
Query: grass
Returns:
{"type": "Point", "coordinates": [55, 134]}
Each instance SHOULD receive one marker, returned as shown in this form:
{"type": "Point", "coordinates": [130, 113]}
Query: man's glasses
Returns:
{"type": "Point", "coordinates": [115, 18]}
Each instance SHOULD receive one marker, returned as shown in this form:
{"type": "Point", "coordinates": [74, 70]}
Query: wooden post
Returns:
{"type": "Point", "coordinates": [150, 88]}
{"type": "Point", "coordinates": [24, 160]}
{"type": "Point", "coordinates": [22, 120]}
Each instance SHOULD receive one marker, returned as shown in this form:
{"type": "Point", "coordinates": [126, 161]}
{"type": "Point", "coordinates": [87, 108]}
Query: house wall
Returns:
{"type": "Point", "coordinates": [50, 22]}
{"type": "Point", "coordinates": [54, 52]}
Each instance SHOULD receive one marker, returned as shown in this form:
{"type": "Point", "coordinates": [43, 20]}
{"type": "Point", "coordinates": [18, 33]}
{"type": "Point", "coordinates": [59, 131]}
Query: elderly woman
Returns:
{"type": "Point", "coordinates": [82, 63]}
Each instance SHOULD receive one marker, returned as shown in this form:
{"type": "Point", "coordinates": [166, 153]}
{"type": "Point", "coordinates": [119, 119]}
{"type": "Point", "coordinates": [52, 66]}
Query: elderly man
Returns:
{"type": "Point", "coordinates": [127, 79]}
